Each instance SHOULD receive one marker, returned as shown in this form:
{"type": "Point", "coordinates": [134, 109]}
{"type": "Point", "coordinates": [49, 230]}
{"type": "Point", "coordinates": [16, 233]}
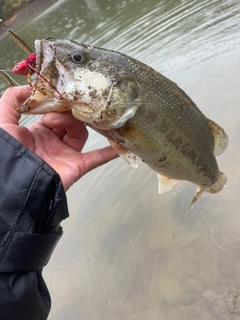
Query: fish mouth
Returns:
{"type": "Point", "coordinates": [45, 95]}
{"type": "Point", "coordinates": [49, 71]}
{"type": "Point", "coordinates": [44, 54]}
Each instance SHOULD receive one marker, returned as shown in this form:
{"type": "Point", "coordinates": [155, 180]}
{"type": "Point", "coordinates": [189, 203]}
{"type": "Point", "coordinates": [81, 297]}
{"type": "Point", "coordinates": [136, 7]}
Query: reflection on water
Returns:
{"type": "Point", "coordinates": [127, 252]}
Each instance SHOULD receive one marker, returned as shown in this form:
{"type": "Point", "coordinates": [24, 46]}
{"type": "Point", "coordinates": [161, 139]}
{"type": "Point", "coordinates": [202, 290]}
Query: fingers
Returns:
{"type": "Point", "coordinates": [96, 158]}
{"type": "Point", "coordinates": [10, 101]}
{"type": "Point", "coordinates": [72, 131]}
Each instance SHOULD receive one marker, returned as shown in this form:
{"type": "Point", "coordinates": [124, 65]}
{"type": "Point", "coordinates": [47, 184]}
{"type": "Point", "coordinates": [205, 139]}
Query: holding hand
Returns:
{"type": "Point", "coordinates": [58, 138]}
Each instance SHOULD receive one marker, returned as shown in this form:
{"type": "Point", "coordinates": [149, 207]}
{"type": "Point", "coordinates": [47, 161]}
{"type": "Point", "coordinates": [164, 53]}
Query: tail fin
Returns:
{"type": "Point", "coordinates": [219, 184]}
{"type": "Point", "coordinates": [216, 187]}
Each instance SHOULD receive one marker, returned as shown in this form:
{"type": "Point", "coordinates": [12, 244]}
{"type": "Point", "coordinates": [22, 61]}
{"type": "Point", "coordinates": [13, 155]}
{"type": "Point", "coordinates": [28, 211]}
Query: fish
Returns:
{"type": "Point", "coordinates": [142, 113]}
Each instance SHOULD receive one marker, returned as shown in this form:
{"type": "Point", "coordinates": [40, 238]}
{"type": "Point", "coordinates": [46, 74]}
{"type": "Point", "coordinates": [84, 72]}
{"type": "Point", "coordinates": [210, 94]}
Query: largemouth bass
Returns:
{"type": "Point", "coordinates": [140, 111]}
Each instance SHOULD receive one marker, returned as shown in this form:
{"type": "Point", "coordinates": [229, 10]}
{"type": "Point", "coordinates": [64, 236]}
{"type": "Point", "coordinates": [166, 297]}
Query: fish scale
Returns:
{"type": "Point", "coordinates": [187, 133]}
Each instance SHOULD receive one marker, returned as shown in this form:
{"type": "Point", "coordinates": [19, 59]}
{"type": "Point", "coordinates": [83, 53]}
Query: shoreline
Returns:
{"type": "Point", "coordinates": [22, 15]}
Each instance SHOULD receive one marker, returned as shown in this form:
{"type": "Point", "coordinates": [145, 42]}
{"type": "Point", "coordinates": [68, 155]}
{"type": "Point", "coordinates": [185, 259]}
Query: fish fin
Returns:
{"type": "Point", "coordinates": [219, 184]}
{"type": "Point", "coordinates": [220, 137]}
{"type": "Point", "coordinates": [197, 195]}
{"type": "Point", "coordinates": [165, 183]}
{"type": "Point", "coordinates": [127, 155]}
{"type": "Point", "coordinates": [216, 187]}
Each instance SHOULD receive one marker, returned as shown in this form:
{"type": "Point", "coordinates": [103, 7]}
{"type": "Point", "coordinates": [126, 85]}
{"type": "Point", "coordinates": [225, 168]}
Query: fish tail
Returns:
{"type": "Point", "coordinates": [219, 184]}
{"type": "Point", "coordinates": [214, 188]}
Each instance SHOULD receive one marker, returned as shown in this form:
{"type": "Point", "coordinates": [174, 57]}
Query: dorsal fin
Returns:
{"type": "Point", "coordinates": [220, 137]}
{"type": "Point", "coordinates": [165, 183]}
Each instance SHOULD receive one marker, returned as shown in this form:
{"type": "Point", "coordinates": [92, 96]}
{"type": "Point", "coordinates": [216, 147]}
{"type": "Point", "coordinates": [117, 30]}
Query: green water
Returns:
{"type": "Point", "coordinates": [127, 252]}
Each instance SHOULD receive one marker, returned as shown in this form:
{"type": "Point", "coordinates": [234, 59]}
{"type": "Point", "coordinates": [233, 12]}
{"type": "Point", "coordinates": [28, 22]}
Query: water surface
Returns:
{"type": "Point", "coordinates": [127, 252]}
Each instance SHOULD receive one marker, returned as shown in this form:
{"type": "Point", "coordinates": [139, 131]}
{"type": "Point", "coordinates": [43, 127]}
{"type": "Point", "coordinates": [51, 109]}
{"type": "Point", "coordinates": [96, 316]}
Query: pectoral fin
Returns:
{"type": "Point", "coordinates": [165, 183]}
{"type": "Point", "coordinates": [220, 138]}
{"type": "Point", "coordinates": [124, 153]}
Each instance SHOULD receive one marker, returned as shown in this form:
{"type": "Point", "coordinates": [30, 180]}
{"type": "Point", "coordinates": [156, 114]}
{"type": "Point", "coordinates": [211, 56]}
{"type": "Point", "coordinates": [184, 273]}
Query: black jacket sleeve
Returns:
{"type": "Point", "coordinates": [32, 205]}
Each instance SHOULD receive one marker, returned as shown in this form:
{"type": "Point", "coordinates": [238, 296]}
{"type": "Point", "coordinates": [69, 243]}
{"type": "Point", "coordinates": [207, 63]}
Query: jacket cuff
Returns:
{"type": "Point", "coordinates": [32, 205]}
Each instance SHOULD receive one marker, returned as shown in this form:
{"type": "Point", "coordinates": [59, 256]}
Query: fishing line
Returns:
{"type": "Point", "coordinates": [5, 70]}
{"type": "Point", "coordinates": [64, 15]}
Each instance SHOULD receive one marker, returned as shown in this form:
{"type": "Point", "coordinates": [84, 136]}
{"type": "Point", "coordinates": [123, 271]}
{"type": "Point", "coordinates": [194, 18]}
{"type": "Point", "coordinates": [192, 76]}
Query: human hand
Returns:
{"type": "Point", "coordinates": [58, 138]}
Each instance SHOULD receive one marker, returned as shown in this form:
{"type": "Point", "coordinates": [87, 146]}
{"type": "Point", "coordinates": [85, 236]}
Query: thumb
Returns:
{"type": "Point", "coordinates": [96, 158]}
{"type": "Point", "coordinates": [10, 101]}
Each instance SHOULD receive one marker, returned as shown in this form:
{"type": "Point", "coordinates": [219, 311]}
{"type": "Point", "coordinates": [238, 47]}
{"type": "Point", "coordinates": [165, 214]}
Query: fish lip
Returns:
{"type": "Point", "coordinates": [38, 53]}
{"type": "Point", "coordinates": [44, 54]}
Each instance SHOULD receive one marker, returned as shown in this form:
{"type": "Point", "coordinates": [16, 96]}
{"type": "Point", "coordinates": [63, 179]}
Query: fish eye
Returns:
{"type": "Point", "coordinates": [51, 38]}
{"type": "Point", "coordinates": [77, 56]}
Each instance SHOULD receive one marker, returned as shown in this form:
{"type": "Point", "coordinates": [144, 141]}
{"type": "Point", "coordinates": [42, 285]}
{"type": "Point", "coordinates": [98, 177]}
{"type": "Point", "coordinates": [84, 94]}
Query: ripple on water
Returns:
{"type": "Point", "coordinates": [220, 236]}
{"type": "Point", "coordinates": [78, 277]}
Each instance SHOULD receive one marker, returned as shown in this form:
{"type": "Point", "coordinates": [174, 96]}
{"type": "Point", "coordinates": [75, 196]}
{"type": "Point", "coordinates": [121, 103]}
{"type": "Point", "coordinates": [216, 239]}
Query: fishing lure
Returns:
{"type": "Point", "coordinates": [23, 68]}
{"type": "Point", "coordinates": [6, 77]}
{"type": "Point", "coordinates": [28, 66]}
{"type": "Point", "coordinates": [17, 39]}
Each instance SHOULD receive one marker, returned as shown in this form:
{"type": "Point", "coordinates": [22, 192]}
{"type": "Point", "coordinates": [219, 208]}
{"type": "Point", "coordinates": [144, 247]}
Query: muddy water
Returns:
{"type": "Point", "coordinates": [129, 253]}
